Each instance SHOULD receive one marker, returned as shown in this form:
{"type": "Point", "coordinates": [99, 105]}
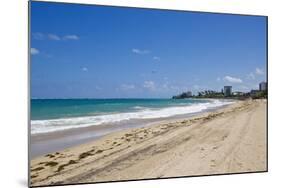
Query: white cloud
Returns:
{"type": "Point", "coordinates": [149, 85]}
{"type": "Point", "coordinates": [38, 36]}
{"type": "Point", "coordinates": [70, 37]}
{"type": "Point", "coordinates": [138, 51]}
{"type": "Point", "coordinates": [127, 86]}
{"type": "Point", "coordinates": [196, 87]}
{"type": "Point", "coordinates": [232, 79]}
{"type": "Point", "coordinates": [98, 88]}
{"type": "Point", "coordinates": [251, 76]}
{"type": "Point", "coordinates": [53, 37]}
{"type": "Point", "coordinates": [165, 86]}
{"type": "Point", "coordinates": [85, 69]}
{"type": "Point", "coordinates": [218, 79]}
{"type": "Point", "coordinates": [175, 87]}
{"type": "Point", "coordinates": [259, 71]}
{"type": "Point", "coordinates": [34, 51]}
{"type": "Point", "coordinates": [156, 58]}
{"type": "Point", "coordinates": [244, 87]}
{"type": "Point", "coordinates": [254, 85]}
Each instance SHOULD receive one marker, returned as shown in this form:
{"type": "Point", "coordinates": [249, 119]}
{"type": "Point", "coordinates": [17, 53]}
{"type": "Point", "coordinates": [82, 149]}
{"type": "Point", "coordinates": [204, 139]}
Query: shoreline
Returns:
{"type": "Point", "coordinates": [209, 143]}
{"type": "Point", "coordinates": [44, 143]}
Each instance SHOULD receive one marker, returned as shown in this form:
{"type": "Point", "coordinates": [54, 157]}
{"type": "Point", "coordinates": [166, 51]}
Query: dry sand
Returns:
{"type": "Point", "coordinates": [229, 140]}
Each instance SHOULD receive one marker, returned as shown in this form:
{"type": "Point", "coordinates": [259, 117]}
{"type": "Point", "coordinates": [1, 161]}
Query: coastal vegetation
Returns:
{"type": "Point", "coordinates": [200, 94]}
{"type": "Point", "coordinates": [254, 94]}
{"type": "Point", "coordinates": [260, 95]}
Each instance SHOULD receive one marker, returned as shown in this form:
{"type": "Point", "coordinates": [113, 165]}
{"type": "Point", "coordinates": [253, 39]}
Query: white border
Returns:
{"type": "Point", "coordinates": [13, 100]}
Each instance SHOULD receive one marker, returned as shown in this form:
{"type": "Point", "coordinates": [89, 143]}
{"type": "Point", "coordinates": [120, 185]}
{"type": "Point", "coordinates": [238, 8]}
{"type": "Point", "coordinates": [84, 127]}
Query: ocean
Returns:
{"type": "Point", "coordinates": [51, 115]}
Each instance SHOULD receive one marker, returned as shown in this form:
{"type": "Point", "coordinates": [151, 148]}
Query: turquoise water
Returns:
{"type": "Point", "coordinates": [48, 115]}
{"type": "Point", "coordinates": [60, 108]}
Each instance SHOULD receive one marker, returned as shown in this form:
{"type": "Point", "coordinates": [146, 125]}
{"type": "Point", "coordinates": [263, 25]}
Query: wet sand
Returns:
{"type": "Point", "coordinates": [229, 140]}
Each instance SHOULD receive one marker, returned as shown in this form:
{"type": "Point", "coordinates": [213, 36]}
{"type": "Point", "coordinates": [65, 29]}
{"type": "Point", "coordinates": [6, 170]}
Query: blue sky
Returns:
{"type": "Point", "coordinates": [80, 51]}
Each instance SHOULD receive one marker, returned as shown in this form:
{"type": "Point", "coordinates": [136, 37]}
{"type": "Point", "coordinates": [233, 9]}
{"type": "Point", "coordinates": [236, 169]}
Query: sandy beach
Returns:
{"type": "Point", "coordinates": [228, 140]}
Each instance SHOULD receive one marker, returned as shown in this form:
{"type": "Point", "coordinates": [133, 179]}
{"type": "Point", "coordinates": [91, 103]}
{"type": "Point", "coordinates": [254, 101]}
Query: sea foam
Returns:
{"type": "Point", "coordinates": [51, 125]}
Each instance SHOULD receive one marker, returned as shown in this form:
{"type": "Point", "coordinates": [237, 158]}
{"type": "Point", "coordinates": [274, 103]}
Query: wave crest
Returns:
{"type": "Point", "coordinates": [44, 126]}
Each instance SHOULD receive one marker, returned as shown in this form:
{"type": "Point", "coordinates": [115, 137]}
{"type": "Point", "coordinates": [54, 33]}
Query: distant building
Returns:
{"type": "Point", "coordinates": [227, 91]}
{"type": "Point", "coordinates": [183, 95]}
{"type": "Point", "coordinates": [189, 94]}
{"type": "Point", "coordinates": [238, 93]}
{"type": "Point", "coordinates": [263, 86]}
{"type": "Point", "coordinates": [254, 92]}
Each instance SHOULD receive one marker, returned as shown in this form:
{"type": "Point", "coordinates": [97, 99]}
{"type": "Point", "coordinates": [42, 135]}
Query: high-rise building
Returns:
{"type": "Point", "coordinates": [227, 91]}
{"type": "Point", "coordinates": [263, 86]}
